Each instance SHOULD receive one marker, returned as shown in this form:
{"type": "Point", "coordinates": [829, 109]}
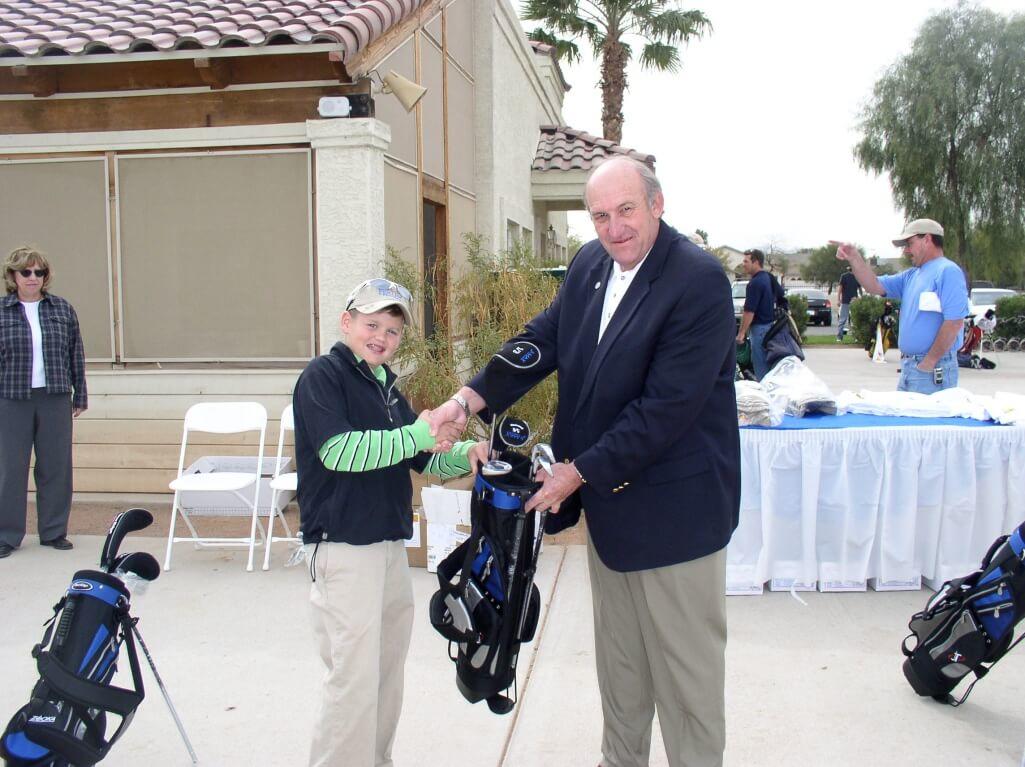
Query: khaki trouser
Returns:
{"type": "Point", "coordinates": [362, 613]}
{"type": "Point", "coordinates": [660, 642]}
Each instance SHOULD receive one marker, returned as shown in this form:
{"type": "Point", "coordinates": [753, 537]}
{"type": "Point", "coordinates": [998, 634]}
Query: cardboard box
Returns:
{"type": "Point", "coordinates": [227, 504]}
{"type": "Point", "coordinates": [416, 547]}
{"type": "Point", "coordinates": [448, 522]}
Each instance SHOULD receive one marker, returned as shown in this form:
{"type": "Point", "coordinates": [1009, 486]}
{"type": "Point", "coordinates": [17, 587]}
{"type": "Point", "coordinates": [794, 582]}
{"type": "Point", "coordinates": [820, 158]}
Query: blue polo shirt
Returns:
{"type": "Point", "coordinates": [942, 283]}
{"type": "Point", "coordinates": [760, 298]}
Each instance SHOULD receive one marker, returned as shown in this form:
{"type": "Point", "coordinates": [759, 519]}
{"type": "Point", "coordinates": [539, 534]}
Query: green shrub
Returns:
{"type": "Point", "coordinates": [799, 311]}
{"type": "Point", "coordinates": [489, 302]}
{"type": "Point", "coordinates": [865, 313]}
{"type": "Point", "coordinates": [1010, 317]}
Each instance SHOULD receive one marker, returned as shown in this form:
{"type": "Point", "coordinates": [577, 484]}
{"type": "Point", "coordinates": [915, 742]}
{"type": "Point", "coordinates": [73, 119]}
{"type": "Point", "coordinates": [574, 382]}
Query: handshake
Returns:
{"type": "Point", "coordinates": [448, 421]}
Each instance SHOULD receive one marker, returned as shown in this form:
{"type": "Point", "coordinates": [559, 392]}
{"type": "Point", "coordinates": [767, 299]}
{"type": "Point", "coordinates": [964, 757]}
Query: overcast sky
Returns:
{"type": "Point", "coordinates": [753, 137]}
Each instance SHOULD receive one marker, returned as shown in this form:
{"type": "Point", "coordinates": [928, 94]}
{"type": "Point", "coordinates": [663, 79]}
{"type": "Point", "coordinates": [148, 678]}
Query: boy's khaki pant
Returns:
{"type": "Point", "coordinates": [362, 613]}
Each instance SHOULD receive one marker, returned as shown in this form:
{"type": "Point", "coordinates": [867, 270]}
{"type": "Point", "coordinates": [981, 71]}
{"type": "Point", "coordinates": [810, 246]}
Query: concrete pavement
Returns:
{"type": "Point", "coordinates": [814, 684]}
{"type": "Point", "coordinates": [807, 684]}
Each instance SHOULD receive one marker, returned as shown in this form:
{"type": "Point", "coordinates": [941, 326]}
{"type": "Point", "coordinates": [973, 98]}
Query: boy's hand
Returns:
{"type": "Point", "coordinates": [479, 454]}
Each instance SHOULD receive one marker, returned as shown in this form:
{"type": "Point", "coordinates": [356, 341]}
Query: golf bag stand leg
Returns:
{"type": "Point", "coordinates": [167, 698]}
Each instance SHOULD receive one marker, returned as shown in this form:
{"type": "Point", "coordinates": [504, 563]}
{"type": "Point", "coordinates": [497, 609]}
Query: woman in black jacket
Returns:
{"type": "Point", "coordinates": [42, 386]}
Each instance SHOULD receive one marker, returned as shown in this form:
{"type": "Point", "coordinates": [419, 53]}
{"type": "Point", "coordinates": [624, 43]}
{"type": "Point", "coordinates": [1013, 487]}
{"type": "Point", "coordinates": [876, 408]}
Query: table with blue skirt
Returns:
{"type": "Point", "coordinates": [839, 502]}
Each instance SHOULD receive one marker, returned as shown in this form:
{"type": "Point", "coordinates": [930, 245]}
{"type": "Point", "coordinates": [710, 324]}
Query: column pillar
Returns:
{"type": "Point", "coordinates": [349, 167]}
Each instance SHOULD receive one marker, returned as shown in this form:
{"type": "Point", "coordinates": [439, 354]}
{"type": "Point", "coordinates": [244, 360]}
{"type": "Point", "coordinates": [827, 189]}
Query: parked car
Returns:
{"type": "Point", "coordinates": [982, 299]}
{"type": "Point", "coordinates": [820, 308]}
{"type": "Point", "coordinates": [739, 294]}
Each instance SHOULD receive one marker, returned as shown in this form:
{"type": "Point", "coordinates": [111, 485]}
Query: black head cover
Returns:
{"type": "Point", "coordinates": [138, 563]}
{"type": "Point", "coordinates": [124, 523]}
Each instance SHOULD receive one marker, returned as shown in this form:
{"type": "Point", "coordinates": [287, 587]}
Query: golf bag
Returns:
{"type": "Point", "coordinates": [968, 625]}
{"type": "Point", "coordinates": [65, 721]}
{"type": "Point", "coordinates": [487, 603]}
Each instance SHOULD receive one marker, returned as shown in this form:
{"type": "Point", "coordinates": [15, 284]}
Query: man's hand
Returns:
{"type": "Point", "coordinates": [556, 489]}
{"type": "Point", "coordinates": [741, 336]}
{"type": "Point", "coordinates": [77, 411]}
{"type": "Point", "coordinates": [445, 436]}
{"type": "Point", "coordinates": [447, 422]}
{"type": "Point", "coordinates": [845, 251]}
{"type": "Point", "coordinates": [479, 455]}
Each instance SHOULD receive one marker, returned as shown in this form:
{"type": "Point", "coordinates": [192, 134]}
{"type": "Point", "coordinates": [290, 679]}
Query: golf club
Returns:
{"type": "Point", "coordinates": [542, 457]}
{"type": "Point", "coordinates": [126, 522]}
{"type": "Point", "coordinates": [163, 691]}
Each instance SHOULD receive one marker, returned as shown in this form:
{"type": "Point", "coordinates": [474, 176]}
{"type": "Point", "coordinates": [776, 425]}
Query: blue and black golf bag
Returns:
{"type": "Point", "coordinates": [968, 625]}
{"type": "Point", "coordinates": [65, 721]}
{"type": "Point", "coordinates": [487, 603]}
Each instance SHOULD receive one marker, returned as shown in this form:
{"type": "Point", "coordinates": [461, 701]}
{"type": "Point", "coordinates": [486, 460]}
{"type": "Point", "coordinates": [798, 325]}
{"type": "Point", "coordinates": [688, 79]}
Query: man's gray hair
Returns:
{"type": "Point", "coordinates": [652, 187]}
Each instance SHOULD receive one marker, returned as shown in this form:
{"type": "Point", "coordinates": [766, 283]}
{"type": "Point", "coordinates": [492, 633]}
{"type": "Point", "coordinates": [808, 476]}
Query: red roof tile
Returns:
{"type": "Point", "coordinates": [563, 148]}
{"type": "Point", "coordinates": [37, 28]}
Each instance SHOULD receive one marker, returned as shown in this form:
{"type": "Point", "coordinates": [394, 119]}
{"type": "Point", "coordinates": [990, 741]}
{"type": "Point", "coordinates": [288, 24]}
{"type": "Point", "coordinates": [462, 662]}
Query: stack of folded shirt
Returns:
{"type": "Point", "coordinates": [804, 391]}
{"type": "Point", "coordinates": [754, 407]}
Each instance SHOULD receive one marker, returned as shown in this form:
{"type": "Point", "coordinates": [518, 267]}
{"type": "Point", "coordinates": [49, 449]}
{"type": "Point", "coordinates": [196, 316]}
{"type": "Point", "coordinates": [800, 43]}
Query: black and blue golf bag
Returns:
{"type": "Point", "coordinates": [968, 625]}
{"type": "Point", "coordinates": [487, 603]}
{"type": "Point", "coordinates": [65, 721]}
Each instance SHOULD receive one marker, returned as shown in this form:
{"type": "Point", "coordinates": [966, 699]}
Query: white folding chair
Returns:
{"type": "Point", "coordinates": [219, 418]}
{"type": "Point", "coordinates": [282, 483]}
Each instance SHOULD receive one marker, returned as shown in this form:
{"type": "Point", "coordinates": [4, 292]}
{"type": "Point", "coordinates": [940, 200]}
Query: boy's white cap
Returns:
{"type": "Point", "coordinates": [374, 295]}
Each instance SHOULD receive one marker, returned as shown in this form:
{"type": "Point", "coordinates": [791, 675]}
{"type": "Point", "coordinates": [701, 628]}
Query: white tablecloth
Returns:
{"type": "Point", "coordinates": [841, 506]}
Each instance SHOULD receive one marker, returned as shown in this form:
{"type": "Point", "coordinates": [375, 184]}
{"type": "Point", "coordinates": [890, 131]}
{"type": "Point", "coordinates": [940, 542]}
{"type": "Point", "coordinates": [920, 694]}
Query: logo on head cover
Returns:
{"type": "Point", "coordinates": [81, 586]}
{"type": "Point", "coordinates": [522, 354]}
{"type": "Point", "coordinates": [514, 431]}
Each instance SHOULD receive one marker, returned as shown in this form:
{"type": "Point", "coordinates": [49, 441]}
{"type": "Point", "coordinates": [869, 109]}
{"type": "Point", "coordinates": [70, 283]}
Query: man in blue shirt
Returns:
{"type": "Point", "coordinates": [762, 293]}
{"type": "Point", "coordinates": [933, 304]}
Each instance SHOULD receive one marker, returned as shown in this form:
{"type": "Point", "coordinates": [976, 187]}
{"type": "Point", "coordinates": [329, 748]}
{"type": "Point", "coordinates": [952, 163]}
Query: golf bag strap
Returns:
{"type": "Point", "coordinates": [48, 631]}
{"type": "Point", "coordinates": [82, 691]}
{"type": "Point", "coordinates": [90, 694]}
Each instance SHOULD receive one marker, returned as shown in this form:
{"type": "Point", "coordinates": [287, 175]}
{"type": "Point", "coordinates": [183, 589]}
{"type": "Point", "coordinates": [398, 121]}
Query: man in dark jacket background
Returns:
{"type": "Point", "coordinates": [641, 334]}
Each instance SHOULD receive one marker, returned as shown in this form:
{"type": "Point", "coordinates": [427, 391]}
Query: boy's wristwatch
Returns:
{"type": "Point", "coordinates": [461, 401]}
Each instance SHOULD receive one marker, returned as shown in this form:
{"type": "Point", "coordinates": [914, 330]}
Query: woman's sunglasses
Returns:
{"type": "Point", "coordinates": [36, 272]}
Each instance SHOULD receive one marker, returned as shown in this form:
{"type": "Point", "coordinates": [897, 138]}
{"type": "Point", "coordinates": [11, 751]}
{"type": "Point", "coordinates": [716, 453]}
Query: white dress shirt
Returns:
{"type": "Point", "coordinates": [619, 282]}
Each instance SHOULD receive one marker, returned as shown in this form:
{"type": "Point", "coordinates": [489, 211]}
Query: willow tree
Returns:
{"type": "Point", "coordinates": [947, 123]}
{"type": "Point", "coordinates": [609, 26]}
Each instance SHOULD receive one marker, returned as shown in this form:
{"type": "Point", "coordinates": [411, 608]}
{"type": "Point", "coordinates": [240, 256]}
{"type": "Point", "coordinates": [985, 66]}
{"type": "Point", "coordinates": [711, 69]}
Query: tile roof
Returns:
{"type": "Point", "coordinates": [563, 148]}
{"type": "Point", "coordinates": [38, 28]}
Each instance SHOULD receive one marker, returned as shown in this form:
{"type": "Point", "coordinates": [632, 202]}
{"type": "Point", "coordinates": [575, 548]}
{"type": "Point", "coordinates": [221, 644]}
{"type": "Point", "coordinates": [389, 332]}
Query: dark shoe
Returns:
{"type": "Point", "coordinates": [5, 550]}
{"type": "Point", "coordinates": [61, 544]}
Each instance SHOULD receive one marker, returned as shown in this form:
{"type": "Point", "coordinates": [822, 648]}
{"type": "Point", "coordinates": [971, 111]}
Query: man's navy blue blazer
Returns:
{"type": "Point", "coordinates": [649, 415]}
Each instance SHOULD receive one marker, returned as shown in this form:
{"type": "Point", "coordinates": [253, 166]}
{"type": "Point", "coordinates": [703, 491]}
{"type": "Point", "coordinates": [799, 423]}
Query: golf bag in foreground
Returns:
{"type": "Point", "coordinates": [487, 604]}
{"type": "Point", "coordinates": [65, 722]}
{"type": "Point", "coordinates": [968, 625]}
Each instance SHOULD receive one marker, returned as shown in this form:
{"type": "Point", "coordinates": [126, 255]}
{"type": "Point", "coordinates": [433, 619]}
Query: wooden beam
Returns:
{"type": "Point", "coordinates": [185, 110]}
{"type": "Point", "coordinates": [363, 61]}
{"type": "Point", "coordinates": [214, 72]}
{"type": "Point", "coordinates": [171, 73]}
{"type": "Point", "coordinates": [338, 66]}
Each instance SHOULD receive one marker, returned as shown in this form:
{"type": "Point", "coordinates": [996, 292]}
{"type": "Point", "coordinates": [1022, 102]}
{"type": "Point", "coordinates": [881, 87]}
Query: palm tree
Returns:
{"type": "Point", "coordinates": [606, 25]}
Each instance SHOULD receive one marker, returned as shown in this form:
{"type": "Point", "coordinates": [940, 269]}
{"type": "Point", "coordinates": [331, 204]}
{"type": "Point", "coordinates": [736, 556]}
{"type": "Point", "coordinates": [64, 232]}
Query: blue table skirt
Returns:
{"type": "Point", "coordinates": [858, 420]}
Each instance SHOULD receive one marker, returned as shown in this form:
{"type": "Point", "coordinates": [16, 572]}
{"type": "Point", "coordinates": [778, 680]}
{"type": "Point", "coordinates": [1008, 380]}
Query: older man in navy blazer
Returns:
{"type": "Point", "coordinates": [641, 334]}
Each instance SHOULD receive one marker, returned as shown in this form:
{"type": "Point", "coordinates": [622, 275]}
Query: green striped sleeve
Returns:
{"type": "Point", "coordinates": [454, 463]}
{"type": "Point", "coordinates": [356, 451]}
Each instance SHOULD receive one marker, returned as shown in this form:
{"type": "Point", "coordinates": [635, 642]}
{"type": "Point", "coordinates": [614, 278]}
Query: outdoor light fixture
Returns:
{"type": "Point", "coordinates": [406, 91]}
{"type": "Point", "coordinates": [353, 105]}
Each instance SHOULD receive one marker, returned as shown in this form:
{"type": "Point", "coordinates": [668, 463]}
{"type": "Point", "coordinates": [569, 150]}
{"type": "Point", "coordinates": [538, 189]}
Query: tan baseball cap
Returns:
{"type": "Point", "coordinates": [918, 226]}
{"type": "Point", "coordinates": [374, 295]}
